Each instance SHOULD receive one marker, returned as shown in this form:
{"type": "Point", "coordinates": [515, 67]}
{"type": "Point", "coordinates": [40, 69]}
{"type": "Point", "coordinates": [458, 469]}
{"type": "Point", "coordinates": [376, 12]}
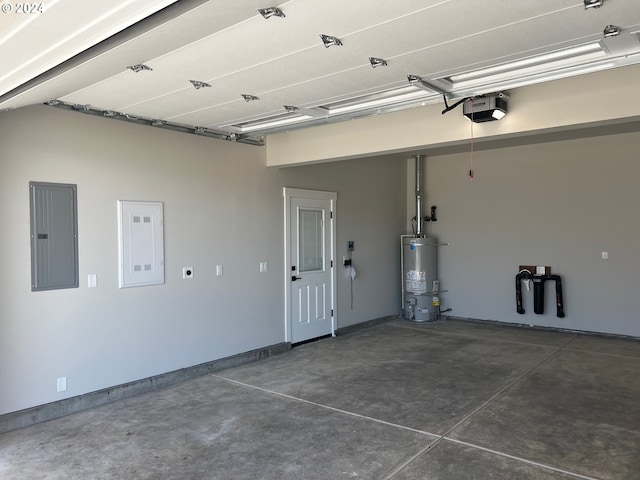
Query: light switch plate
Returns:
{"type": "Point", "coordinates": [264, 267]}
{"type": "Point", "coordinates": [218, 270]}
{"type": "Point", "coordinates": [92, 280]}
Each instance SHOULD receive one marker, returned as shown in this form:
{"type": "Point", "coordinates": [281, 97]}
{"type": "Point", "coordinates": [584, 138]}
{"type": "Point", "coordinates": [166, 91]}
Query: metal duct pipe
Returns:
{"type": "Point", "coordinates": [419, 220]}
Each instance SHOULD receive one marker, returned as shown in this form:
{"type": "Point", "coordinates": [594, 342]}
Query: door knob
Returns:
{"type": "Point", "coordinates": [294, 278]}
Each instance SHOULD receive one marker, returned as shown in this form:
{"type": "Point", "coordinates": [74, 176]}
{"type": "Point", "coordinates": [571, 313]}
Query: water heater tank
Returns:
{"type": "Point", "coordinates": [419, 277]}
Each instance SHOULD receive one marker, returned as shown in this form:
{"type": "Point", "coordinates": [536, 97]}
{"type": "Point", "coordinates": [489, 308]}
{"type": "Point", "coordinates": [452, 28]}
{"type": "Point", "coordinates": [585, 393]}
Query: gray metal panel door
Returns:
{"type": "Point", "coordinates": [54, 236]}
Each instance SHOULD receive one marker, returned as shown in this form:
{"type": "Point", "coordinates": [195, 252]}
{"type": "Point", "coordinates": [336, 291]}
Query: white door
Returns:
{"type": "Point", "coordinates": [309, 269]}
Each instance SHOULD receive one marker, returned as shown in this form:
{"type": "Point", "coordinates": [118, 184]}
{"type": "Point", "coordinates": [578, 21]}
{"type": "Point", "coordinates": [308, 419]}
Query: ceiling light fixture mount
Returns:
{"type": "Point", "coordinates": [592, 4]}
{"type": "Point", "coordinates": [377, 62]}
{"type": "Point", "coordinates": [198, 84]}
{"type": "Point", "coordinates": [611, 31]}
{"type": "Point", "coordinates": [271, 12]}
{"type": "Point", "coordinates": [249, 98]}
{"type": "Point", "coordinates": [330, 41]}
{"type": "Point", "coordinates": [139, 68]}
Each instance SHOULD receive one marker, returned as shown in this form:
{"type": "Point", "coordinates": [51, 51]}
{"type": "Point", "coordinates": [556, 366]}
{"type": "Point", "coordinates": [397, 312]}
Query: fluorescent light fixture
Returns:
{"type": "Point", "coordinates": [592, 4]}
{"type": "Point", "coordinates": [249, 98]}
{"type": "Point", "coordinates": [271, 12]}
{"type": "Point", "coordinates": [198, 84]}
{"type": "Point", "coordinates": [330, 41]}
{"type": "Point", "coordinates": [270, 122]}
{"type": "Point", "coordinates": [380, 99]}
{"type": "Point", "coordinates": [541, 63]}
{"type": "Point", "coordinates": [377, 62]}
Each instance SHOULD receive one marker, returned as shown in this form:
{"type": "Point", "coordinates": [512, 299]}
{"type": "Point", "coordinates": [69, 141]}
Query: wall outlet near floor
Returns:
{"type": "Point", "coordinates": [62, 384]}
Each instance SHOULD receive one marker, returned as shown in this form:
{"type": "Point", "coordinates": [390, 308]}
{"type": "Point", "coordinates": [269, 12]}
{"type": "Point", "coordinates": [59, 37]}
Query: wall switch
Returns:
{"type": "Point", "coordinates": [605, 255]}
{"type": "Point", "coordinates": [218, 270]}
{"type": "Point", "coordinates": [92, 280]}
{"type": "Point", "coordinates": [187, 272]}
{"type": "Point", "coordinates": [62, 384]}
{"type": "Point", "coordinates": [540, 270]}
{"type": "Point", "coordinates": [264, 267]}
{"type": "Point", "coordinates": [350, 245]}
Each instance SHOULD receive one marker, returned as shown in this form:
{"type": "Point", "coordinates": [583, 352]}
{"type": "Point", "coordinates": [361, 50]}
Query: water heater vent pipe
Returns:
{"type": "Point", "coordinates": [419, 219]}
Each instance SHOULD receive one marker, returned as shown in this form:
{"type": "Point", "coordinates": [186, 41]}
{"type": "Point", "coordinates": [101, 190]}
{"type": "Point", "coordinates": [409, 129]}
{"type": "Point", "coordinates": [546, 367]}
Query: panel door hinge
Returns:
{"type": "Point", "coordinates": [331, 263]}
{"type": "Point", "coordinates": [332, 312]}
{"type": "Point", "coordinates": [330, 214]}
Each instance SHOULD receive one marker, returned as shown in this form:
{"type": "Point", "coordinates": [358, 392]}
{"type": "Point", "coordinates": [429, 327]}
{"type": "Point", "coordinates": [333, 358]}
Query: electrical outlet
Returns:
{"type": "Point", "coordinates": [605, 255]}
{"type": "Point", "coordinates": [62, 384]}
{"type": "Point", "coordinates": [264, 267]}
{"type": "Point", "coordinates": [218, 270]}
{"type": "Point", "coordinates": [350, 245]}
{"type": "Point", "coordinates": [187, 272]}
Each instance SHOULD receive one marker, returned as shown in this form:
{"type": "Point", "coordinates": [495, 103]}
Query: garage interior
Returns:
{"type": "Point", "coordinates": [213, 109]}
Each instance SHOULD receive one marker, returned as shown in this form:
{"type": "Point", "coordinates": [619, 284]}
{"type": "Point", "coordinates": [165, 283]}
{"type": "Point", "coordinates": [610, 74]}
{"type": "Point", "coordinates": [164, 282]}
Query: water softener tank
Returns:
{"type": "Point", "coordinates": [419, 278]}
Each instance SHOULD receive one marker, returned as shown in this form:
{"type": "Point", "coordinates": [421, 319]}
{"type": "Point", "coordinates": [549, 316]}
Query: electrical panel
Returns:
{"type": "Point", "coordinates": [140, 243]}
{"type": "Point", "coordinates": [54, 236]}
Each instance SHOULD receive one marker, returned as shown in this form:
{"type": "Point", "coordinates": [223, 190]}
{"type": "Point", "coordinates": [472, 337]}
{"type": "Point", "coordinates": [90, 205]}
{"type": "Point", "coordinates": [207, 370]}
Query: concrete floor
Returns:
{"type": "Point", "coordinates": [403, 401]}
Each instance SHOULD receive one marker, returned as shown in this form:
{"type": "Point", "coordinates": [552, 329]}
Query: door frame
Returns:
{"type": "Point", "coordinates": [289, 193]}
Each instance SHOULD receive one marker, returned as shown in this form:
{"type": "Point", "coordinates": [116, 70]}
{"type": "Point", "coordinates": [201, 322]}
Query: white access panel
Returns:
{"type": "Point", "coordinates": [140, 243]}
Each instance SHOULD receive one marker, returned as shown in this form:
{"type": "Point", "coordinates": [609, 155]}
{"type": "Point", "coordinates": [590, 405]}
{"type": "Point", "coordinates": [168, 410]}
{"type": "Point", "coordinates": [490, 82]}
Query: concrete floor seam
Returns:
{"type": "Point", "coordinates": [328, 407]}
{"type": "Point", "coordinates": [497, 340]}
{"type": "Point", "coordinates": [405, 464]}
{"type": "Point", "coordinates": [520, 459]}
{"type": "Point", "coordinates": [582, 350]}
{"type": "Point", "coordinates": [438, 438]}
{"type": "Point", "coordinates": [502, 391]}
{"type": "Point", "coordinates": [471, 415]}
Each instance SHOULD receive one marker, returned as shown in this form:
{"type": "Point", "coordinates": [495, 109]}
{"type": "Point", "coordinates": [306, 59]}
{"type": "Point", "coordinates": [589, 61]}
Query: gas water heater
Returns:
{"type": "Point", "coordinates": [420, 284]}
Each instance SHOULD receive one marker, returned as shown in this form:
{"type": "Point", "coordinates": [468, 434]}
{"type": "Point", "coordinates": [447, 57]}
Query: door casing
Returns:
{"type": "Point", "coordinates": [288, 194]}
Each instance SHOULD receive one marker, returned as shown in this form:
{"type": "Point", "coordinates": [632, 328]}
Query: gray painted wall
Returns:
{"type": "Point", "coordinates": [559, 204]}
{"type": "Point", "coordinates": [222, 206]}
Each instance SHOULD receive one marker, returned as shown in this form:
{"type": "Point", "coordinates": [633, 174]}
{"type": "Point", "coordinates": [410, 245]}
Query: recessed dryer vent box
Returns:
{"type": "Point", "coordinates": [534, 269]}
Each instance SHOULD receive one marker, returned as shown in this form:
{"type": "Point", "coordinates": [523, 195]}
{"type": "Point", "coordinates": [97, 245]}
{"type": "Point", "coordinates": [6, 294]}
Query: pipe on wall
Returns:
{"type": "Point", "coordinates": [419, 219]}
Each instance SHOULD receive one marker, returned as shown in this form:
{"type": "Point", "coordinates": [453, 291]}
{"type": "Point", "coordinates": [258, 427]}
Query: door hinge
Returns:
{"type": "Point", "coordinates": [331, 263]}
{"type": "Point", "coordinates": [332, 312]}
{"type": "Point", "coordinates": [330, 214]}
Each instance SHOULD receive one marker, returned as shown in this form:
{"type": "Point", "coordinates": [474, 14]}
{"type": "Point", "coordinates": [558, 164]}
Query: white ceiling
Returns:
{"type": "Point", "coordinates": [55, 53]}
